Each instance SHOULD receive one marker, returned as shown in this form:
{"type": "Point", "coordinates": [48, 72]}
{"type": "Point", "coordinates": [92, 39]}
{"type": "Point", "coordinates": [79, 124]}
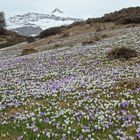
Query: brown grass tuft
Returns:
{"type": "Point", "coordinates": [28, 51]}
{"type": "Point", "coordinates": [131, 83]}
{"type": "Point", "coordinates": [122, 53]}
{"type": "Point", "coordinates": [65, 35]}
{"type": "Point", "coordinates": [91, 42]}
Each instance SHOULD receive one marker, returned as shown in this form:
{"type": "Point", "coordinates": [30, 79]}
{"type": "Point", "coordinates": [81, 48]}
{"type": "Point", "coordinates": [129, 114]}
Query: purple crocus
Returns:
{"type": "Point", "coordinates": [81, 137]}
{"type": "Point", "coordinates": [20, 137]}
{"type": "Point", "coordinates": [124, 104]}
{"type": "Point", "coordinates": [138, 135]}
{"type": "Point", "coordinates": [130, 117]}
{"type": "Point", "coordinates": [123, 112]}
{"type": "Point", "coordinates": [63, 138]}
{"type": "Point", "coordinates": [47, 120]}
{"type": "Point", "coordinates": [41, 113]}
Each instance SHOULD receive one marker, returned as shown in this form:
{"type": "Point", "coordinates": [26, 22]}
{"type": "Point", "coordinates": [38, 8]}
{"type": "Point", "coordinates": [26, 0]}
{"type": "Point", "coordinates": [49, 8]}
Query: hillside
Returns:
{"type": "Point", "coordinates": [11, 38]}
{"type": "Point", "coordinates": [124, 16]}
{"type": "Point", "coordinates": [65, 86]}
{"type": "Point", "coordinates": [108, 21]}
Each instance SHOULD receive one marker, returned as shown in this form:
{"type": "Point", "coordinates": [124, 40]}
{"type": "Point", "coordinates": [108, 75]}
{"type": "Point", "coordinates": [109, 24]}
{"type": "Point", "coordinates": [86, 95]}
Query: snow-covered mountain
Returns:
{"type": "Point", "coordinates": [38, 22]}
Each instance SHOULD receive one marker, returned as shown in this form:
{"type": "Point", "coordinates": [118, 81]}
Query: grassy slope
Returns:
{"type": "Point", "coordinates": [73, 94]}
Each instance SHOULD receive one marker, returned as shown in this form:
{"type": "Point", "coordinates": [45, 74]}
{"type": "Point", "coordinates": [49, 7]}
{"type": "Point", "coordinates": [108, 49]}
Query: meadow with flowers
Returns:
{"type": "Point", "coordinates": [71, 93]}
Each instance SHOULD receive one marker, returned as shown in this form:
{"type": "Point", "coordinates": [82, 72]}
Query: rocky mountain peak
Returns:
{"type": "Point", "coordinates": [56, 10]}
{"type": "Point", "coordinates": [38, 21]}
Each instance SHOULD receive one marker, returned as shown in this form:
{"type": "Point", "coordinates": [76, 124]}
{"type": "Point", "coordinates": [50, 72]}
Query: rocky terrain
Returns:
{"type": "Point", "coordinates": [70, 89]}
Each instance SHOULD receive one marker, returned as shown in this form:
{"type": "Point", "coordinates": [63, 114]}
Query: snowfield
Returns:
{"type": "Point", "coordinates": [43, 21]}
{"type": "Point", "coordinates": [70, 93]}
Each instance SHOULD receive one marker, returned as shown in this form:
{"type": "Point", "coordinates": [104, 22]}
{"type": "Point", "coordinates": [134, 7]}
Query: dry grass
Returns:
{"type": "Point", "coordinates": [65, 35]}
{"type": "Point", "coordinates": [78, 30]}
{"type": "Point", "coordinates": [91, 42]}
{"type": "Point", "coordinates": [31, 39]}
{"type": "Point", "coordinates": [98, 28]}
{"type": "Point", "coordinates": [131, 83]}
{"type": "Point", "coordinates": [28, 51]}
{"type": "Point", "coordinates": [73, 32]}
{"type": "Point", "coordinates": [122, 53]}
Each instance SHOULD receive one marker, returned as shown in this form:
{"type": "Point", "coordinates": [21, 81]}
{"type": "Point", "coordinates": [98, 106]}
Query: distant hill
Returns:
{"type": "Point", "coordinates": [11, 38]}
{"type": "Point", "coordinates": [126, 13]}
{"type": "Point", "coordinates": [31, 23]}
{"type": "Point", "coordinates": [28, 30]}
{"type": "Point", "coordinates": [124, 16]}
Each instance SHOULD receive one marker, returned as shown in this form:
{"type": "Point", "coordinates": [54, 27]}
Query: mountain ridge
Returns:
{"type": "Point", "coordinates": [38, 20]}
{"type": "Point", "coordinates": [57, 10]}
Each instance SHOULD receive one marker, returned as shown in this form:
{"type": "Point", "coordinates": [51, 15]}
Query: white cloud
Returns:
{"type": "Point", "coordinates": [75, 8]}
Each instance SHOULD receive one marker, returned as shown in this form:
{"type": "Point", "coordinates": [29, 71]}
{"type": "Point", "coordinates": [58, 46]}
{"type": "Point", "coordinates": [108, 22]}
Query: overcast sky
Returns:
{"type": "Point", "coordinates": [74, 8]}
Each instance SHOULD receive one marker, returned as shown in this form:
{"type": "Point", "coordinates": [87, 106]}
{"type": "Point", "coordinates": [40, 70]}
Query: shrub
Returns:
{"type": "Point", "coordinates": [122, 53]}
{"type": "Point", "coordinates": [28, 51]}
{"type": "Point", "coordinates": [89, 20]}
{"type": "Point", "coordinates": [50, 41]}
{"type": "Point", "coordinates": [129, 20]}
{"type": "Point", "coordinates": [2, 31]}
{"type": "Point", "coordinates": [51, 31]}
{"type": "Point", "coordinates": [104, 35]}
{"type": "Point", "coordinates": [88, 42]}
{"type": "Point", "coordinates": [30, 39]}
{"type": "Point", "coordinates": [65, 35]}
{"type": "Point", "coordinates": [2, 23]}
{"type": "Point", "coordinates": [124, 21]}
